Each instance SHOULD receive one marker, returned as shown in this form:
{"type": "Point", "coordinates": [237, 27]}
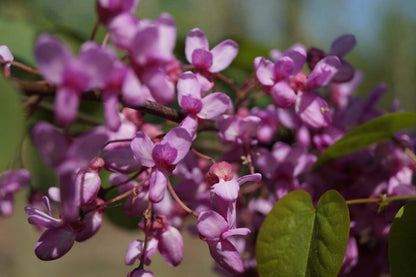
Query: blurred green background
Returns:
{"type": "Point", "coordinates": [385, 52]}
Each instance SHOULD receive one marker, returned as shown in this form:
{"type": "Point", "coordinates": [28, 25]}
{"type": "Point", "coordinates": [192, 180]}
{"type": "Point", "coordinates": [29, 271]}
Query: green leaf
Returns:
{"type": "Point", "coordinates": [373, 131]}
{"type": "Point", "coordinates": [19, 37]}
{"type": "Point", "coordinates": [11, 123]}
{"type": "Point", "coordinates": [295, 240]}
{"type": "Point", "coordinates": [402, 242]}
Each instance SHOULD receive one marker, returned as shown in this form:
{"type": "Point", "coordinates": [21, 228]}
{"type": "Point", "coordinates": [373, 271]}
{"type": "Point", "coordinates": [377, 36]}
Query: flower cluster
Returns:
{"type": "Point", "coordinates": [159, 172]}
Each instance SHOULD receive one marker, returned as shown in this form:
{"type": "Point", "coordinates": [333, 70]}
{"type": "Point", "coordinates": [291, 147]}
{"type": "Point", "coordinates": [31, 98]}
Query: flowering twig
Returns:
{"type": "Point", "coordinates": [382, 199]}
{"type": "Point", "coordinates": [25, 67]}
{"type": "Point", "coordinates": [147, 215]}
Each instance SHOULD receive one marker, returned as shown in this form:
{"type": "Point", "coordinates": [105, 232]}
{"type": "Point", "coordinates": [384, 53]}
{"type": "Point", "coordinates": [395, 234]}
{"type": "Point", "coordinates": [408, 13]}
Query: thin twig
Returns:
{"type": "Point", "coordinates": [179, 201]}
{"type": "Point", "coordinates": [95, 29]}
{"type": "Point", "coordinates": [25, 67]}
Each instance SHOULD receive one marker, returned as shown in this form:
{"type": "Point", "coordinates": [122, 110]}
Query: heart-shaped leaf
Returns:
{"type": "Point", "coordinates": [297, 240]}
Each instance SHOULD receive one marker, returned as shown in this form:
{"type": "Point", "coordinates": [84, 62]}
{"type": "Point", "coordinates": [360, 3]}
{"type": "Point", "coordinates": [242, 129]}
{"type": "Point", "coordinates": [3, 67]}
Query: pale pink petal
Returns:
{"type": "Point", "coordinates": [223, 54]}
{"type": "Point", "coordinates": [188, 84]}
{"type": "Point", "coordinates": [122, 30]}
{"type": "Point", "coordinates": [283, 95]}
{"type": "Point", "coordinates": [66, 106]}
{"type": "Point", "coordinates": [157, 187]}
{"type": "Point", "coordinates": [142, 148]}
{"type": "Point", "coordinates": [211, 225]}
{"type": "Point", "coordinates": [264, 71]}
{"type": "Point", "coordinates": [323, 72]}
{"type": "Point", "coordinates": [171, 246]}
{"type": "Point", "coordinates": [214, 105]}
{"type": "Point", "coordinates": [226, 256]}
{"type": "Point", "coordinates": [111, 109]}
{"type": "Point", "coordinates": [132, 91]}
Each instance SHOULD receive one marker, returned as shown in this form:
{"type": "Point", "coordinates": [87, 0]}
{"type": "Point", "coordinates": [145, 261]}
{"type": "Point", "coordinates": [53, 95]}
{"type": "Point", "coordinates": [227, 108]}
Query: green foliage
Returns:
{"type": "Point", "coordinates": [373, 131]}
{"type": "Point", "coordinates": [402, 242]}
{"type": "Point", "coordinates": [11, 123]}
{"type": "Point", "coordinates": [19, 37]}
{"type": "Point", "coordinates": [297, 240]}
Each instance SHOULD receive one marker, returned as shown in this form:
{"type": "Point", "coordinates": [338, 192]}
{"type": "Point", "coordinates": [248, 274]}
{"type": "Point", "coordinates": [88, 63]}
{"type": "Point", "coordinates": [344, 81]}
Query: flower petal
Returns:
{"type": "Point", "coordinates": [142, 148]}
{"type": "Point", "coordinates": [211, 225]}
{"type": "Point", "coordinates": [323, 72]}
{"type": "Point", "coordinates": [342, 45]}
{"type": "Point", "coordinates": [226, 256]}
{"type": "Point", "coordinates": [157, 187]}
{"type": "Point", "coordinates": [214, 105]}
{"type": "Point", "coordinates": [179, 139]}
{"type": "Point", "coordinates": [171, 246]}
{"type": "Point", "coordinates": [195, 39]}
{"type": "Point", "coordinates": [66, 105]}
{"type": "Point", "coordinates": [121, 160]}
{"type": "Point", "coordinates": [52, 57]}
{"type": "Point", "coordinates": [223, 54]}
{"type": "Point", "coordinates": [54, 243]}
{"type": "Point", "coordinates": [283, 95]}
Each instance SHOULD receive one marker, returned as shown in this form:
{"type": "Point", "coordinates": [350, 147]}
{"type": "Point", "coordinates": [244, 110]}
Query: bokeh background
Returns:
{"type": "Point", "coordinates": [385, 52]}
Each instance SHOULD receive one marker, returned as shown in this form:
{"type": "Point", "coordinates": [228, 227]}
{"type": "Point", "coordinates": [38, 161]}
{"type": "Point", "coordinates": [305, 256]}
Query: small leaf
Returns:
{"type": "Point", "coordinates": [296, 240]}
{"type": "Point", "coordinates": [373, 131]}
{"type": "Point", "coordinates": [11, 123]}
{"type": "Point", "coordinates": [402, 242]}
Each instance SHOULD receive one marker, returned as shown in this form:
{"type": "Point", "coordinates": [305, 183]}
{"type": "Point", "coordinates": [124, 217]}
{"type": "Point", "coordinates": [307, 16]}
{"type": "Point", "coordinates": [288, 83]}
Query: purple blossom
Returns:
{"type": "Point", "coordinates": [215, 60]}
{"type": "Point", "coordinates": [233, 129]}
{"type": "Point", "coordinates": [73, 76]}
{"type": "Point", "coordinates": [11, 182]}
{"type": "Point", "coordinates": [162, 157]}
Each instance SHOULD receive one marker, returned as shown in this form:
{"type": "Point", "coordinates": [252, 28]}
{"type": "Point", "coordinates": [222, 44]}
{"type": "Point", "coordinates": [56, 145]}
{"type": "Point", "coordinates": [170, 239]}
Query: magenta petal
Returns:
{"type": "Point", "coordinates": [202, 58]}
{"type": "Point", "coordinates": [66, 105]}
{"type": "Point", "coordinates": [249, 178]}
{"type": "Point", "coordinates": [323, 72]}
{"type": "Point", "coordinates": [226, 256]}
{"type": "Point", "coordinates": [132, 91]}
{"type": "Point", "coordinates": [235, 232]}
{"type": "Point", "coordinates": [211, 225]}
{"type": "Point", "coordinates": [164, 153]}
{"type": "Point", "coordinates": [52, 57]}
{"type": "Point", "coordinates": [298, 55]}
{"type": "Point", "coordinates": [158, 182]}
{"type": "Point", "coordinates": [264, 71]}
{"type": "Point", "coordinates": [141, 273]}
{"type": "Point", "coordinates": [345, 73]}
{"type": "Point", "coordinates": [223, 54]}
{"type": "Point", "coordinates": [121, 160]}
{"type": "Point", "coordinates": [51, 144]}
{"type": "Point", "coordinates": [171, 246]}
{"type": "Point", "coordinates": [195, 40]}
{"type": "Point", "coordinates": [179, 139]}
{"type": "Point", "coordinates": [283, 68]}
{"type": "Point", "coordinates": [54, 243]}
{"type": "Point", "coordinates": [214, 105]}
{"type": "Point", "coordinates": [111, 110]}
{"type": "Point", "coordinates": [342, 45]}
{"type": "Point", "coordinates": [41, 219]}
{"type": "Point", "coordinates": [313, 110]}
{"type": "Point", "coordinates": [283, 95]}
{"type": "Point", "coordinates": [161, 88]}
{"type": "Point", "coordinates": [70, 196]}
{"type": "Point", "coordinates": [190, 104]}
{"type": "Point", "coordinates": [142, 148]}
